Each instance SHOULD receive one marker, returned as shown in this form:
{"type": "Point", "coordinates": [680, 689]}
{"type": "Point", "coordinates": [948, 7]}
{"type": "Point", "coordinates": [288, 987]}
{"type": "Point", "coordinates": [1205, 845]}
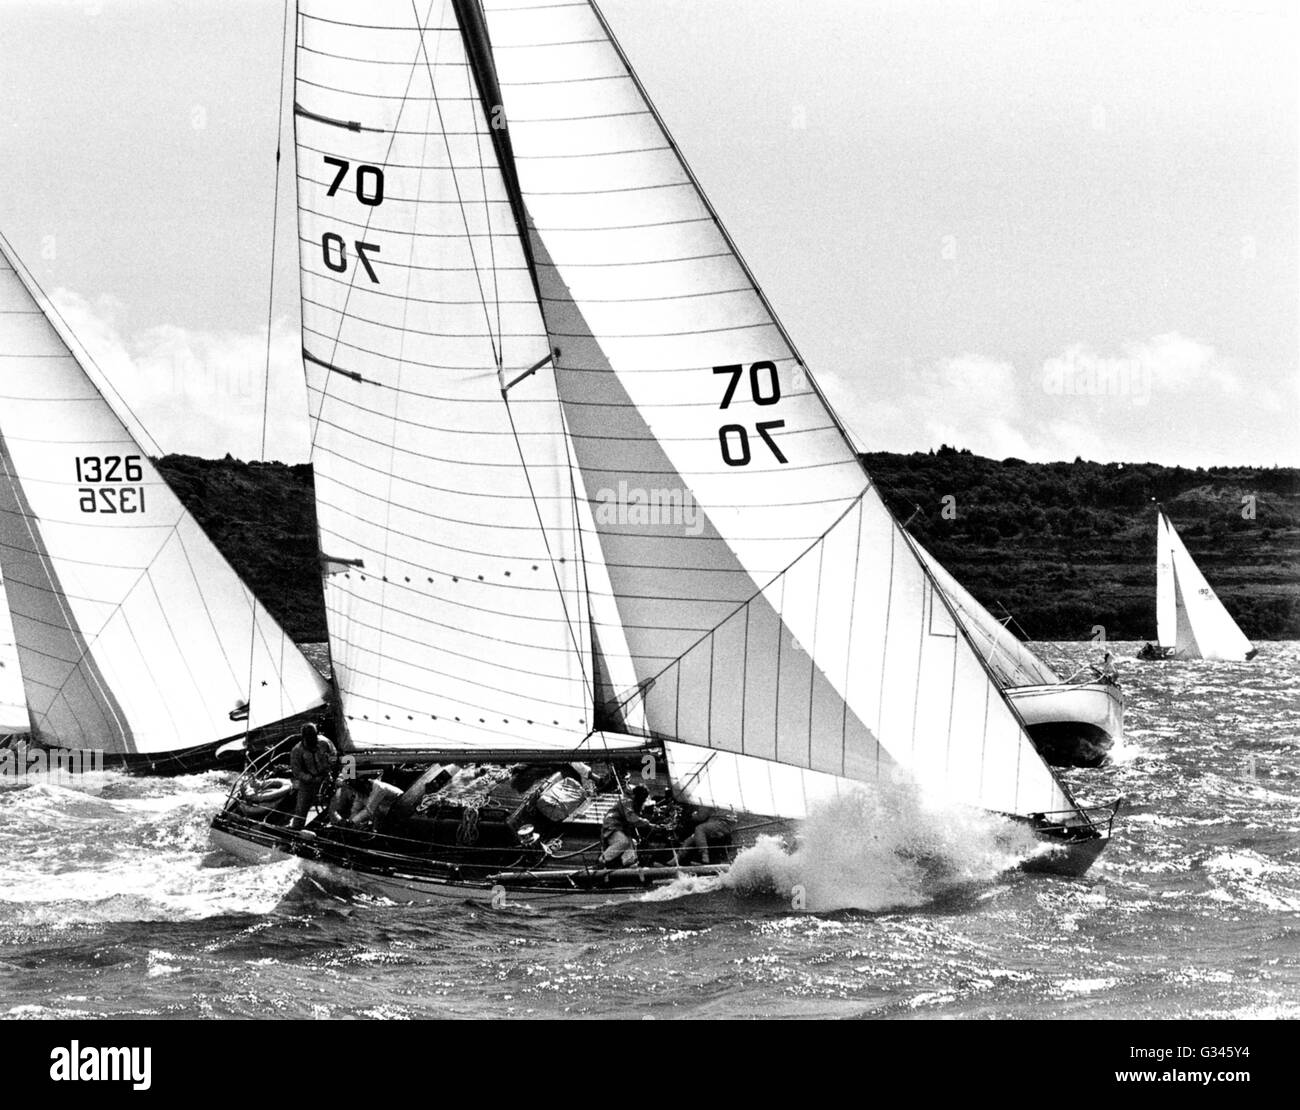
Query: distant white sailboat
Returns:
{"type": "Point", "coordinates": [133, 634]}
{"type": "Point", "coordinates": [1073, 724]}
{"type": "Point", "coordinates": [1191, 622]}
{"type": "Point", "coordinates": [579, 497]}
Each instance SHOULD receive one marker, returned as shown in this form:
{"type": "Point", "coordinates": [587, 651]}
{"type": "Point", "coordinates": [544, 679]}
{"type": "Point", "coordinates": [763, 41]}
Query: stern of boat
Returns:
{"type": "Point", "coordinates": [254, 821]}
{"type": "Point", "coordinates": [1072, 724]}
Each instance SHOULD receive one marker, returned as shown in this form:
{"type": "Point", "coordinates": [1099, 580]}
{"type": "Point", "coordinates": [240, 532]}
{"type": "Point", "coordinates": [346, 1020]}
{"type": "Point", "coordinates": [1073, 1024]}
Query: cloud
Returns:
{"type": "Point", "coordinates": [1169, 363]}
{"type": "Point", "coordinates": [1176, 362]}
{"type": "Point", "coordinates": [1170, 398]}
{"type": "Point", "coordinates": [969, 400]}
{"type": "Point", "coordinates": [194, 392]}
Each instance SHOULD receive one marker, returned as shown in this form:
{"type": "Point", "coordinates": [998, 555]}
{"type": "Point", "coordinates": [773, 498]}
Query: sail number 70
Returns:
{"type": "Point", "coordinates": [369, 190]}
{"type": "Point", "coordinates": [335, 252]}
{"type": "Point", "coordinates": [764, 389]}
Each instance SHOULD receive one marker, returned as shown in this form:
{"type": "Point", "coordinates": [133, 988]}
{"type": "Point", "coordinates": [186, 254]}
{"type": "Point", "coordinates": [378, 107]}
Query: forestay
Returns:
{"type": "Point", "coordinates": [1189, 614]}
{"type": "Point", "coordinates": [133, 633]}
{"type": "Point", "coordinates": [456, 594]}
{"type": "Point", "coordinates": [770, 606]}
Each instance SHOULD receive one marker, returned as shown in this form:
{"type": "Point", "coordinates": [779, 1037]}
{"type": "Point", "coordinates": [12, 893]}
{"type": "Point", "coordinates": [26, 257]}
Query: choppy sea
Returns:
{"type": "Point", "coordinates": [112, 903]}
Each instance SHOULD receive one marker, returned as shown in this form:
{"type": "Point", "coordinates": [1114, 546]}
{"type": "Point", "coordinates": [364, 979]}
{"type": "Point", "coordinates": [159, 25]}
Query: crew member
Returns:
{"type": "Point", "coordinates": [363, 802]}
{"type": "Point", "coordinates": [1105, 671]}
{"type": "Point", "coordinates": [710, 824]}
{"type": "Point", "coordinates": [310, 763]}
{"type": "Point", "coordinates": [618, 832]}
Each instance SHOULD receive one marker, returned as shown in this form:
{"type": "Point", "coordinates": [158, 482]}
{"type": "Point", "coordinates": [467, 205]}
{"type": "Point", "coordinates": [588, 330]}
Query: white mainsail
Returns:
{"type": "Point", "coordinates": [1190, 618]}
{"type": "Point", "coordinates": [787, 625]}
{"type": "Point", "coordinates": [1009, 659]}
{"type": "Point", "coordinates": [134, 635]}
{"type": "Point", "coordinates": [456, 602]}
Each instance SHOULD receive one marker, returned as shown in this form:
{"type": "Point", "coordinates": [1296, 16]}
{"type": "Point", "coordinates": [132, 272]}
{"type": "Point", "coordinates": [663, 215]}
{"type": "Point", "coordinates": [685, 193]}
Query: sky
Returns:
{"type": "Point", "coordinates": [1042, 230]}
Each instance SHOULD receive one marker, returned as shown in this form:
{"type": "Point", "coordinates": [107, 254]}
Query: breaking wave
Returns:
{"type": "Point", "coordinates": [119, 848]}
{"type": "Point", "coordinates": [880, 849]}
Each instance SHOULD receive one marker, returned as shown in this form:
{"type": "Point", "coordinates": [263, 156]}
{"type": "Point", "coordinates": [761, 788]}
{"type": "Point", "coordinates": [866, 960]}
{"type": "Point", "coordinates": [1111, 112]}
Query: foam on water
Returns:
{"type": "Point", "coordinates": [684, 885]}
{"type": "Point", "coordinates": [872, 849]}
{"type": "Point", "coordinates": [1190, 913]}
{"type": "Point", "coordinates": [109, 847]}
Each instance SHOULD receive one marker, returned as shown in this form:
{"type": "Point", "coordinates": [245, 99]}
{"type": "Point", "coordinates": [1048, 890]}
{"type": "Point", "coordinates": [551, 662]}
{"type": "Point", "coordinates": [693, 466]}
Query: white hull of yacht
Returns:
{"type": "Point", "coordinates": [1072, 725]}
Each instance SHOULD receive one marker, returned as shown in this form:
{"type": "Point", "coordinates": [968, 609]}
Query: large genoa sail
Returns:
{"type": "Point", "coordinates": [134, 635]}
{"type": "Point", "coordinates": [776, 615]}
{"type": "Point", "coordinates": [456, 586]}
{"type": "Point", "coordinates": [1190, 618]}
{"type": "Point", "coordinates": [1007, 657]}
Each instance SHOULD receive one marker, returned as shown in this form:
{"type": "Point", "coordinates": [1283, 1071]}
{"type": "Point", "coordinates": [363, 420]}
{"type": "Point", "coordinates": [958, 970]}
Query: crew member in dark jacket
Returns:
{"type": "Point", "coordinates": [709, 823]}
{"type": "Point", "coordinates": [618, 832]}
{"type": "Point", "coordinates": [310, 763]}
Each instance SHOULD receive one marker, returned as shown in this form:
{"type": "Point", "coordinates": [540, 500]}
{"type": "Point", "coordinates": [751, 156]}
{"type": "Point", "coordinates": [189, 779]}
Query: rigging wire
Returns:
{"type": "Point", "coordinates": [575, 636]}
{"type": "Point", "coordinates": [644, 686]}
{"type": "Point", "coordinates": [370, 212]}
{"type": "Point", "coordinates": [546, 540]}
{"type": "Point", "coordinates": [460, 200]}
{"type": "Point", "coordinates": [270, 310]}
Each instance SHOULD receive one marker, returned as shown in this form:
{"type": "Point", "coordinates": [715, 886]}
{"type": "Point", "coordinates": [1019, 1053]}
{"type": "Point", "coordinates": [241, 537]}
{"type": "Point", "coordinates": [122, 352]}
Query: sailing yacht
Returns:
{"type": "Point", "coordinates": [581, 505]}
{"type": "Point", "coordinates": [133, 635]}
{"type": "Point", "coordinates": [1072, 723]}
{"type": "Point", "coordinates": [1191, 622]}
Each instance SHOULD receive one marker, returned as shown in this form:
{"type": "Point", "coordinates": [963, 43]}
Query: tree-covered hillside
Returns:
{"type": "Point", "coordinates": [1064, 547]}
{"type": "Point", "coordinates": [263, 518]}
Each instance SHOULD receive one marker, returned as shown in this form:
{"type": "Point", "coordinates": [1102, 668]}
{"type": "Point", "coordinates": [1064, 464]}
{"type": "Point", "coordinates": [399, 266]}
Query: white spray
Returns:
{"type": "Point", "coordinates": [878, 849]}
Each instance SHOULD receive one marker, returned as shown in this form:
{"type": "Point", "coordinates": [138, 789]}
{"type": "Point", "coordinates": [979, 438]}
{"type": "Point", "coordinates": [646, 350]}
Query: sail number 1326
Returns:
{"type": "Point", "coordinates": [103, 483]}
{"type": "Point", "coordinates": [764, 389]}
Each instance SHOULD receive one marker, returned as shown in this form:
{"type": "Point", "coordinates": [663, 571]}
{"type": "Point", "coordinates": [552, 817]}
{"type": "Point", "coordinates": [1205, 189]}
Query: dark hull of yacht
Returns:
{"type": "Point", "coordinates": [495, 846]}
